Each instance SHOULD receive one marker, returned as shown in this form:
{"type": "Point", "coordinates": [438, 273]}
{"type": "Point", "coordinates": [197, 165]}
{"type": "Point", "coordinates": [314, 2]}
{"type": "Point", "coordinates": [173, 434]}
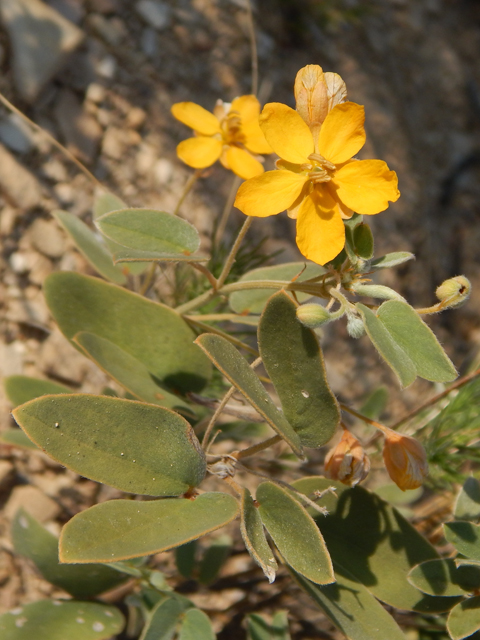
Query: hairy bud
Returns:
{"type": "Point", "coordinates": [405, 460]}
{"type": "Point", "coordinates": [348, 461]}
{"type": "Point", "coordinates": [313, 315]}
{"type": "Point", "coordinates": [454, 292]}
{"type": "Point", "coordinates": [355, 326]}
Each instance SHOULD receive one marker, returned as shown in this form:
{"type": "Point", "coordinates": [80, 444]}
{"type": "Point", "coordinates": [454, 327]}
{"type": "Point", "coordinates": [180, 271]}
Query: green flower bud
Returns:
{"type": "Point", "coordinates": [313, 315]}
{"type": "Point", "coordinates": [454, 292]}
{"type": "Point", "coordinates": [355, 326]}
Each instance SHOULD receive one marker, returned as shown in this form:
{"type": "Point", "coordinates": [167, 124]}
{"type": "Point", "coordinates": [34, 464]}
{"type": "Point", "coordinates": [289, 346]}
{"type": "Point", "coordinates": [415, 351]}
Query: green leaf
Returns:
{"type": "Point", "coordinates": [185, 558]}
{"type": "Point", "coordinates": [17, 438]}
{"type": "Point", "coordinates": [164, 619]}
{"type": "Point", "coordinates": [370, 540]}
{"type": "Point", "coordinates": [253, 300]}
{"type": "Point", "coordinates": [465, 537]}
{"type": "Point", "coordinates": [259, 629]}
{"type": "Point", "coordinates": [133, 446]}
{"type": "Point", "coordinates": [128, 372]}
{"type": "Point", "coordinates": [20, 389]}
{"type": "Point", "coordinates": [467, 504]}
{"type": "Point", "coordinates": [417, 340]}
{"type": "Point", "coordinates": [374, 405]}
{"type": "Point", "coordinates": [122, 529]}
{"type": "Point", "coordinates": [253, 535]}
{"type": "Point", "coordinates": [444, 578]}
{"type": "Point", "coordinates": [236, 369]}
{"type": "Point", "coordinates": [363, 241]}
{"type": "Point", "coordinates": [30, 539]}
{"type": "Point", "coordinates": [124, 255]}
{"type": "Point", "coordinates": [150, 332]}
{"type": "Point", "coordinates": [90, 246]}
{"type": "Point", "coordinates": [295, 534]}
{"type": "Point", "coordinates": [293, 359]}
{"type": "Point", "coordinates": [464, 619]}
{"type": "Point", "coordinates": [196, 625]}
{"type": "Point", "coordinates": [386, 346]}
{"type": "Point", "coordinates": [352, 608]}
{"type": "Point", "coordinates": [61, 619]}
{"type": "Point", "coordinates": [391, 260]}
{"type": "Point", "coordinates": [149, 230]}
{"type": "Point", "coordinates": [214, 558]}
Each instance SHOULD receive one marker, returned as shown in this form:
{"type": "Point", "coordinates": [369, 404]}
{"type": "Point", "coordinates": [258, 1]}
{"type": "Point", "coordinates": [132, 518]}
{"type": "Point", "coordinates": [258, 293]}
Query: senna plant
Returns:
{"type": "Point", "coordinates": [183, 369]}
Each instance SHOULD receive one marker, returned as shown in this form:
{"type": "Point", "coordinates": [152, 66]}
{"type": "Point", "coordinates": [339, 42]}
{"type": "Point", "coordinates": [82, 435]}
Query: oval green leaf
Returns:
{"type": "Point", "coordinates": [260, 629]}
{"type": "Point", "coordinates": [60, 619]}
{"type": "Point", "coordinates": [30, 539]}
{"type": "Point", "coordinates": [391, 260]}
{"type": "Point", "coordinates": [150, 332]}
{"type": "Point", "coordinates": [417, 340]}
{"type": "Point", "coordinates": [20, 389]}
{"type": "Point", "coordinates": [444, 578]}
{"type": "Point", "coordinates": [90, 246]}
{"type": "Point", "coordinates": [295, 533]}
{"type": "Point", "coordinates": [253, 300]}
{"type": "Point", "coordinates": [128, 372]}
{"type": "Point", "coordinates": [17, 438]}
{"type": "Point", "coordinates": [124, 255]}
{"type": "Point", "coordinates": [164, 619]}
{"type": "Point", "coordinates": [253, 535]}
{"type": "Point", "coordinates": [149, 230]}
{"type": "Point", "coordinates": [122, 529]}
{"type": "Point", "coordinates": [363, 241]}
{"type": "Point", "coordinates": [196, 625]}
{"type": "Point", "coordinates": [133, 446]}
{"type": "Point", "coordinates": [465, 537]}
{"type": "Point", "coordinates": [214, 558]}
{"type": "Point", "coordinates": [293, 359]}
{"type": "Point", "coordinates": [237, 370]}
{"type": "Point", "coordinates": [464, 619]}
{"type": "Point", "coordinates": [369, 539]}
{"type": "Point", "coordinates": [467, 504]}
{"type": "Point", "coordinates": [386, 346]}
{"type": "Point", "coordinates": [352, 608]}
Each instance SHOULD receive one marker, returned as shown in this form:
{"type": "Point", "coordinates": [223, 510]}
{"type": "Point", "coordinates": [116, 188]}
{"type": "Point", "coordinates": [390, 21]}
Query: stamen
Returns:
{"type": "Point", "coordinates": [317, 157]}
{"type": "Point", "coordinates": [320, 175]}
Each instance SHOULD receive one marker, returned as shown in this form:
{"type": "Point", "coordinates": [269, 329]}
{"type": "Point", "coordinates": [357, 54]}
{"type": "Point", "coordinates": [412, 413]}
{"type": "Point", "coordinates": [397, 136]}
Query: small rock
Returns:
{"type": "Point", "coordinates": [156, 14]}
{"type": "Point", "coordinates": [80, 129]}
{"type": "Point", "coordinates": [106, 67]}
{"type": "Point", "coordinates": [59, 359]}
{"type": "Point", "coordinates": [163, 171]}
{"type": "Point", "coordinates": [113, 144]}
{"type": "Point", "coordinates": [136, 117]}
{"type": "Point", "coordinates": [7, 472]}
{"type": "Point", "coordinates": [149, 42]}
{"type": "Point", "coordinates": [40, 268]}
{"type": "Point", "coordinates": [41, 39]}
{"type": "Point", "coordinates": [19, 262]}
{"type": "Point", "coordinates": [32, 312]}
{"type": "Point", "coordinates": [47, 238]}
{"type": "Point", "coordinates": [8, 216]}
{"type": "Point", "coordinates": [95, 93]}
{"type": "Point", "coordinates": [12, 357]}
{"type": "Point", "coordinates": [70, 9]}
{"type": "Point", "coordinates": [35, 503]}
{"type": "Point", "coordinates": [111, 30]}
{"type": "Point", "coordinates": [107, 6]}
{"type": "Point", "coordinates": [54, 170]}
{"type": "Point", "coordinates": [64, 192]}
{"type": "Point", "coordinates": [146, 156]}
{"type": "Point", "coordinates": [16, 134]}
{"type": "Point", "coordinates": [17, 183]}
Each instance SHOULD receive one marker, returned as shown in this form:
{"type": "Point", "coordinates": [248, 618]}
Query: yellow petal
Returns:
{"type": "Point", "coordinates": [242, 163]}
{"type": "Point", "coordinates": [196, 117]}
{"type": "Point", "coordinates": [254, 138]}
{"type": "Point", "coordinates": [247, 107]}
{"type": "Point", "coordinates": [320, 228]}
{"type": "Point", "coordinates": [270, 193]}
{"type": "Point", "coordinates": [342, 134]}
{"type": "Point", "coordinates": [366, 186]}
{"type": "Point", "coordinates": [199, 152]}
{"type": "Point", "coordinates": [286, 132]}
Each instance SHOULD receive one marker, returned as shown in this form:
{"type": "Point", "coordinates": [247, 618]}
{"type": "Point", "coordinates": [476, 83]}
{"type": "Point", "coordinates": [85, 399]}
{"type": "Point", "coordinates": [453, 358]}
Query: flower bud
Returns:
{"type": "Point", "coordinates": [454, 292]}
{"type": "Point", "coordinates": [347, 462]}
{"type": "Point", "coordinates": [313, 315]}
{"type": "Point", "coordinates": [405, 460]}
{"type": "Point", "coordinates": [355, 326]}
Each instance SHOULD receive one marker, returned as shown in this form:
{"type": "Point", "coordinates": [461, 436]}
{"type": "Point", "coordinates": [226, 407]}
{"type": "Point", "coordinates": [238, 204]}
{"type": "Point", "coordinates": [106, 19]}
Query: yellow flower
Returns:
{"type": "Point", "coordinates": [348, 461]}
{"type": "Point", "coordinates": [230, 134]}
{"type": "Point", "coordinates": [317, 180]}
{"type": "Point", "coordinates": [405, 459]}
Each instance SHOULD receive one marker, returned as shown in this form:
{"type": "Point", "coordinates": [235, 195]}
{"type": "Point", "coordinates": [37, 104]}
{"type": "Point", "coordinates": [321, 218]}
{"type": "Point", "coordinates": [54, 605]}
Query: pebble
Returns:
{"type": "Point", "coordinates": [7, 472]}
{"type": "Point", "coordinates": [163, 171]}
{"type": "Point", "coordinates": [70, 9]}
{"type": "Point", "coordinates": [80, 129]}
{"type": "Point", "coordinates": [47, 238]}
{"type": "Point", "coordinates": [95, 93]}
{"type": "Point", "coordinates": [111, 30]}
{"type": "Point", "coordinates": [149, 42]}
{"type": "Point", "coordinates": [41, 39]}
{"type": "Point", "coordinates": [136, 117]}
{"type": "Point", "coordinates": [17, 183]}
{"type": "Point", "coordinates": [11, 358]}
{"type": "Point", "coordinates": [34, 501]}
{"type": "Point", "coordinates": [106, 67]}
{"type": "Point", "coordinates": [156, 14]}
{"type": "Point", "coordinates": [16, 134]}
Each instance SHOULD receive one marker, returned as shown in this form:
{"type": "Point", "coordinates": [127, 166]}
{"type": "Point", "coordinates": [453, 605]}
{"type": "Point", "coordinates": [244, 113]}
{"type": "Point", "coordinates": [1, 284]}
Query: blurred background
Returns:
{"type": "Point", "coordinates": [100, 77]}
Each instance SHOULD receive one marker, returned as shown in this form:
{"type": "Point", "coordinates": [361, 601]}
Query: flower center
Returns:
{"type": "Point", "coordinates": [320, 169]}
{"type": "Point", "coordinates": [231, 127]}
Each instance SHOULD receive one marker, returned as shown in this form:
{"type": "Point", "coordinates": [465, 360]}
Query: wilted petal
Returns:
{"type": "Point", "coordinates": [199, 152]}
{"type": "Point", "coordinates": [320, 228]}
{"type": "Point", "coordinates": [242, 163]}
{"type": "Point", "coordinates": [286, 132]}
{"type": "Point", "coordinates": [336, 89]}
{"type": "Point", "coordinates": [405, 460]}
{"type": "Point", "coordinates": [342, 134]}
{"type": "Point", "coordinates": [366, 186]}
{"type": "Point", "coordinates": [348, 461]}
{"type": "Point", "coordinates": [270, 193]}
{"type": "Point", "coordinates": [311, 94]}
{"type": "Point", "coordinates": [196, 117]}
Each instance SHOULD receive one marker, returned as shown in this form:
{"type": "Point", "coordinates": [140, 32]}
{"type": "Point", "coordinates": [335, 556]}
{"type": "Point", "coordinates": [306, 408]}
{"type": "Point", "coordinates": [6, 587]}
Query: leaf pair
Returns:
{"type": "Point", "coordinates": [405, 342]}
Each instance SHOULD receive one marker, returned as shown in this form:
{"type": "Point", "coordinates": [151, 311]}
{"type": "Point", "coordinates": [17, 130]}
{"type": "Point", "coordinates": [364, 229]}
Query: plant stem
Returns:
{"type": "Point", "coordinates": [250, 451]}
{"type": "Point", "coordinates": [220, 317]}
{"type": "Point", "coordinates": [227, 209]}
{"type": "Point", "coordinates": [206, 272]}
{"type": "Point", "coordinates": [214, 417]}
{"type": "Point", "coordinates": [253, 48]}
{"type": "Point", "coordinates": [148, 279]}
{"type": "Point", "coordinates": [186, 190]}
{"type": "Point", "coordinates": [358, 415]}
{"type": "Point", "coordinates": [207, 328]}
{"type": "Point", "coordinates": [236, 246]}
